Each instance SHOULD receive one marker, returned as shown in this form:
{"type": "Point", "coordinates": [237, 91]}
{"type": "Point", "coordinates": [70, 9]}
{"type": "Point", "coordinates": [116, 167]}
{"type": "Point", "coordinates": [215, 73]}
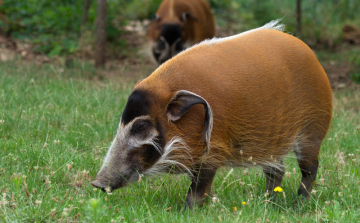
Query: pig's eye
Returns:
{"type": "Point", "coordinates": [141, 126]}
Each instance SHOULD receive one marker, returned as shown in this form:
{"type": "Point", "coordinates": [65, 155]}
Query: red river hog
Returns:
{"type": "Point", "coordinates": [179, 24]}
{"type": "Point", "coordinates": [243, 100]}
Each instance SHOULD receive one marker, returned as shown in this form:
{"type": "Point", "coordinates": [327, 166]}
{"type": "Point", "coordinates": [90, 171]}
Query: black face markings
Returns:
{"type": "Point", "coordinates": [141, 126]}
{"type": "Point", "coordinates": [158, 49]}
{"type": "Point", "coordinates": [147, 155]}
{"type": "Point", "coordinates": [160, 45]}
{"type": "Point", "coordinates": [186, 16]}
{"type": "Point", "coordinates": [160, 138]}
{"type": "Point", "coordinates": [169, 42]}
{"type": "Point", "coordinates": [142, 129]}
{"type": "Point", "coordinates": [171, 32]}
{"type": "Point", "coordinates": [137, 105]}
{"type": "Point", "coordinates": [150, 156]}
{"type": "Point", "coordinates": [178, 47]}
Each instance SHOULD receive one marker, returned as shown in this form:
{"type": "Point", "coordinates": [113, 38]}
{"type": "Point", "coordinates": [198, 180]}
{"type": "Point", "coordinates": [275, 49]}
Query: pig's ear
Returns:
{"type": "Point", "coordinates": [183, 101]}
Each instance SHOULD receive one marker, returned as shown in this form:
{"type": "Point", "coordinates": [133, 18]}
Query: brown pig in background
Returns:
{"type": "Point", "coordinates": [179, 24]}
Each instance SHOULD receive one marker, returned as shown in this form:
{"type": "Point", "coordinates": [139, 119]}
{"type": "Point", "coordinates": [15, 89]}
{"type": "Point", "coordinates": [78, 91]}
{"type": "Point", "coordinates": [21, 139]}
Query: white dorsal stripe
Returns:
{"type": "Point", "coordinates": [274, 25]}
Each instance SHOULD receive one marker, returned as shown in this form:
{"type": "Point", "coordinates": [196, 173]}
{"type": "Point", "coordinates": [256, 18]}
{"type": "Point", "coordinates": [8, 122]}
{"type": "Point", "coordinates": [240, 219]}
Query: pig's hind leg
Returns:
{"type": "Point", "coordinates": [308, 162]}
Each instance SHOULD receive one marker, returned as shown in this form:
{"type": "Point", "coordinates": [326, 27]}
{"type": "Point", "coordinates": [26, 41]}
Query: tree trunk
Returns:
{"type": "Point", "coordinates": [100, 34]}
{"type": "Point", "coordinates": [298, 18]}
{"type": "Point", "coordinates": [85, 13]}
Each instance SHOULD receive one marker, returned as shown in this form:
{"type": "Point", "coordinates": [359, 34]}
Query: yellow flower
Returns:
{"type": "Point", "coordinates": [278, 189]}
{"type": "Point", "coordinates": [244, 203]}
{"type": "Point", "coordinates": [235, 208]}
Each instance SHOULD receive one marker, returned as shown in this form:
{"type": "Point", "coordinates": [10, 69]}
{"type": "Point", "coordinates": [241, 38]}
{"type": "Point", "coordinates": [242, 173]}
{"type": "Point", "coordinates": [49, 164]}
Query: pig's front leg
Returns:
{"type": "Point", "coordinates": [200, 185]}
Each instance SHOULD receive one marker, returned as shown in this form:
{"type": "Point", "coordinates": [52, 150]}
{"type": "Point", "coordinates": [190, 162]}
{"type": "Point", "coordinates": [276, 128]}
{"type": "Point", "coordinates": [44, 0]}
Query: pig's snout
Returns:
{"type": "Point", "coordinates": [103, 187]}
{"type": "Point", "coordinates": [108, 181]}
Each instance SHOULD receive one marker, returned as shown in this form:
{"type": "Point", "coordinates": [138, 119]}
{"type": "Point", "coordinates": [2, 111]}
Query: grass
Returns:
{"type": "Point", "coordinates": [56, 126]}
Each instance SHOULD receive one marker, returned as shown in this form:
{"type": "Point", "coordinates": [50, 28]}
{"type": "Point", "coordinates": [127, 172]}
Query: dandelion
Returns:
{"type": "Point", "coordinates": [278, 189]}
{"type": "Point", "coordinates": [235, 208]}
{"type": "Point", "coordinates": [243, 203]}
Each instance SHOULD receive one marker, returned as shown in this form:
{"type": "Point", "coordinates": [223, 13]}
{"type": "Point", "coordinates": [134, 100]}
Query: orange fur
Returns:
{"type": "Point", "coordinates": [267, 91]}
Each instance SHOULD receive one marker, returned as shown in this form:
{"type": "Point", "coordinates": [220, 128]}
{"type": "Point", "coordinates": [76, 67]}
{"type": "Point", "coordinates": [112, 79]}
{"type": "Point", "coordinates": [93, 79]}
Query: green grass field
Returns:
{"type": "Point", "coordinates": [56, 126]}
